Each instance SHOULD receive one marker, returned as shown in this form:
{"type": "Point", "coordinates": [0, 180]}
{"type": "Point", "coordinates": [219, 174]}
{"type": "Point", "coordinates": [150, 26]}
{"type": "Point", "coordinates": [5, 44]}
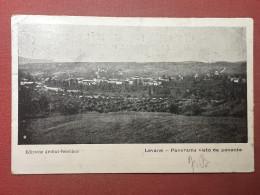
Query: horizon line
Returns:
{"type": "Point", "coordinates": [191, 61]}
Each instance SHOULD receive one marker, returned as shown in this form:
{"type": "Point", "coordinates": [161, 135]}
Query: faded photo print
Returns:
{"type": "Point", "coordinates": [94, 84]}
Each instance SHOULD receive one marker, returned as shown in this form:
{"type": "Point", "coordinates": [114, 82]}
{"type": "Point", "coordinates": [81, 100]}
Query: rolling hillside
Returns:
{"type": "Point", "coordinates": [151, 69]}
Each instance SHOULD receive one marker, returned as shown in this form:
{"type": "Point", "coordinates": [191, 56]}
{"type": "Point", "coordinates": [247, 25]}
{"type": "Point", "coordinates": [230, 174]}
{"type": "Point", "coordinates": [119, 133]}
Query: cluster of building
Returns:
{"type": "Point", "coordinates": [144, 81]}
{"type": "Point", "coordinates": [219, 73]}
{"type": "Point", "coordinates": [148, 81]}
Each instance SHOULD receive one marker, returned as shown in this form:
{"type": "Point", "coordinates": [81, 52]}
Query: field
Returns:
{"type": "Point", "coordinates": [132, 127]}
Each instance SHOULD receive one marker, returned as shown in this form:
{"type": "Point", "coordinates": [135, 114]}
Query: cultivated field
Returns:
{"type": "Point", "coordinates": [132, 127]}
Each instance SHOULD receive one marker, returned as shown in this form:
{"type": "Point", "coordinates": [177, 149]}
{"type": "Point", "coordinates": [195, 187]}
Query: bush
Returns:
{"type": "Point", "coordinates": [196, 109]}
{"type": "Point", "coordinates": [174, 108]}
{"type": "Point", "coordinates": [70, 108]}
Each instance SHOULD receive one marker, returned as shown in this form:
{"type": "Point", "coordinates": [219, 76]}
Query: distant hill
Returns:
{"type": "Point", "coordinates": [128, 69]}
{"type": "Point", "coordinates": [23, 60]}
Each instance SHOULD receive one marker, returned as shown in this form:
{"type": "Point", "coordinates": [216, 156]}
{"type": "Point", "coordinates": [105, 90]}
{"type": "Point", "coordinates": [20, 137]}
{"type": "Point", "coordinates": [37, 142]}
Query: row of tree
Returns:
{"type": "Point", "coordinates": [33, 103]}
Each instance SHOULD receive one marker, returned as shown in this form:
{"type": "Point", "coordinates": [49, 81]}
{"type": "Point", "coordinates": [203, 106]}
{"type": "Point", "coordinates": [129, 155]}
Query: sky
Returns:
{"type": "Point", "coordinates": [83, 43]}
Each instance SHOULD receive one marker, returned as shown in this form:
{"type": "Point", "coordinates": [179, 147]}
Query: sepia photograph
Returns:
{"type": "Point", "coordinates": [131, 95]}
{"type": "Point", "coordinates": [89, 84]}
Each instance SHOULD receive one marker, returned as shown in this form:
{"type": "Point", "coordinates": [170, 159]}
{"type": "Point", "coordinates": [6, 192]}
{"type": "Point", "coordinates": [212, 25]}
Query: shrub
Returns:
{"type": "Point", "coordinates": [174, 108]}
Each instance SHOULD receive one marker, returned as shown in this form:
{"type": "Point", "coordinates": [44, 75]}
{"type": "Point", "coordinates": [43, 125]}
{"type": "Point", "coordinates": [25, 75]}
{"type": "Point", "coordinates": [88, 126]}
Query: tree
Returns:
{"type": "Point", "coordinates": [174, 108]}
{"type": "Point", "coordinates": [70, 107]}
{"type": "Point", "coordinates": [196, 109]}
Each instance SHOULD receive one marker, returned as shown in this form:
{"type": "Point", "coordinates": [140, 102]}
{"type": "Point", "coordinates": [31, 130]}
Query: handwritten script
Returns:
{"type": "Point", "coordinates": [202, 162]}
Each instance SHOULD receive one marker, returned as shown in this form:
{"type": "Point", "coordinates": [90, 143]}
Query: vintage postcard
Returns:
{"type": "Point", "coordinates": [132, 95]}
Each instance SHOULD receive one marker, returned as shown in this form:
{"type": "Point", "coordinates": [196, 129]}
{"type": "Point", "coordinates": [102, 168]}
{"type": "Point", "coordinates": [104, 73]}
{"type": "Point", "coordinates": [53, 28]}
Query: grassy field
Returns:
{"type": "Point", "coordinates": [132, 127]}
